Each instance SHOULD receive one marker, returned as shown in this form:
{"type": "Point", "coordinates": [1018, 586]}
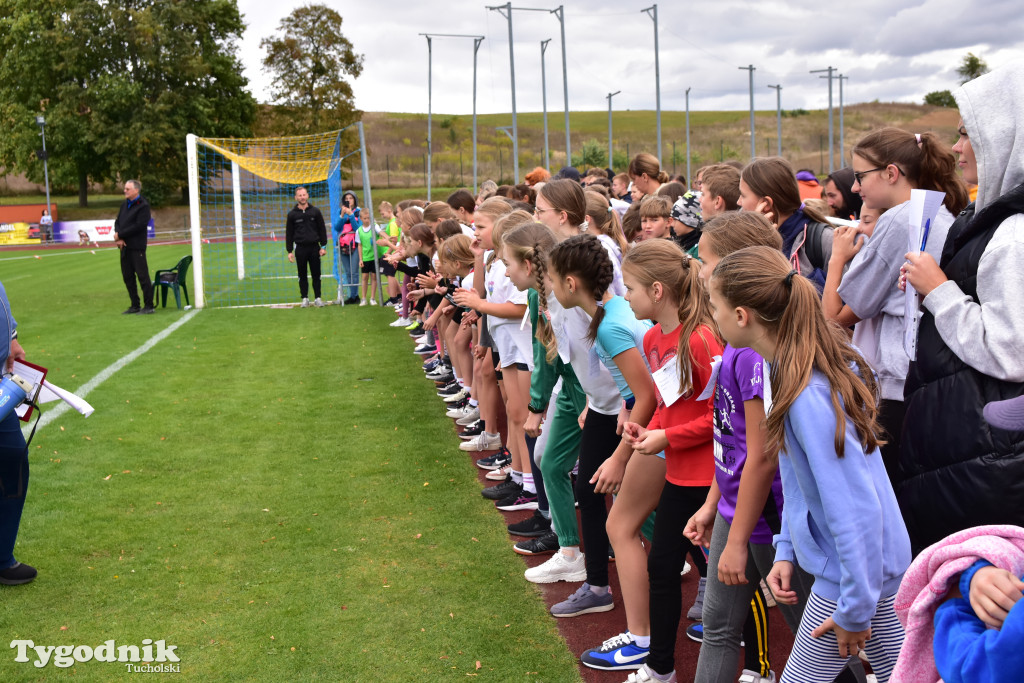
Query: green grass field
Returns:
{"type": "Point", "coordinates": [275, 492]}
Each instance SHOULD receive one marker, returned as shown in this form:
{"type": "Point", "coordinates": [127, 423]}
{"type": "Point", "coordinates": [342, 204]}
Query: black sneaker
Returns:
{"type": "Point", "coordinates": [472, 431]}
{"type": "Point", "coordinates": [524, 500]}
{"type": "Point", "coordinates": [147, 310]}
{"type": "Point", "coordinates": [449, 389]}
{"type": "Point", "coordinates": [502, 490]}
{"type": "Point", "coordinates": [416, 331]}
{"type": "Point", "coordinates": [131, 311]}
{"type": "Point", "coordinates": [542, 545]}
{"type": "Point", "coordinates": [496, 461]}
{"type": "Point", "coordinates": [18, 574]}
{"type": "Point", "coordinates": [532, 527]}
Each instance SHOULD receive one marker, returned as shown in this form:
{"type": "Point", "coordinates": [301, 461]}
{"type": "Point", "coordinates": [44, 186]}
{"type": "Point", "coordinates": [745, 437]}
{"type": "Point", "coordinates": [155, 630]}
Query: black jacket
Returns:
{"type": "Point", "coordinates": [305, 227]}
{"type": "Point", "coordinates": [956, 471]}
{"type": "Point", "coordinates": [133, 222]}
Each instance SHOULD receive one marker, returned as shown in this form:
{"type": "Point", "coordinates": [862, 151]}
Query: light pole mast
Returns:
{"type": "Point", "coordinates": [41, 120]}
{"type": "Point", "coordinates": [778, 116]}
{"type": "Point", "coordinates": [751, 69]}
{"type": "Point", "coordinates": [544, 99]}
{"type": "Point", "coordinates": [652, 12]}
{"type": "Point", "coordinates": [831, 130]}
{"type": "Point", "coordinates": [610, 96]}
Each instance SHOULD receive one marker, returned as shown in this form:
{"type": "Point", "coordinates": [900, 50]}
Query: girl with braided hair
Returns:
{"type": "Point", "coordinates": [580, 272]}
{"type": "Point", "coordinates": [822, 417]}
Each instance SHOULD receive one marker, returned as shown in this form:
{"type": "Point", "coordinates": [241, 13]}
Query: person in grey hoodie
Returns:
{"type": "Point", "coordinates": [887, 164]}
{"type": "Point", "coordinates": [960, 473]}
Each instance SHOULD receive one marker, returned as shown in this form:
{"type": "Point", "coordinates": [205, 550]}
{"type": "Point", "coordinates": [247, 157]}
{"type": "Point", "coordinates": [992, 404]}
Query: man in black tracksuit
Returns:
{"type": "Point", "coordinates": [307, 234]}
{"type": "Point", "coordinates": [130, 236]}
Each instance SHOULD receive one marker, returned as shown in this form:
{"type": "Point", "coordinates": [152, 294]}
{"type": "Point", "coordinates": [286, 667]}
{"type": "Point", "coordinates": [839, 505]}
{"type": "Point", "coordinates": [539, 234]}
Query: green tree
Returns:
{"type": "Point", "coordinates": [940, 98]}
{"type": "Point", "coordinates": [120, 85]}
{"type": "Point", "coordinates": [971, 66]}
{"type": "Point", "coordinates": [592, 154]}
{"type": "Point", "coordinates": [310, 59]}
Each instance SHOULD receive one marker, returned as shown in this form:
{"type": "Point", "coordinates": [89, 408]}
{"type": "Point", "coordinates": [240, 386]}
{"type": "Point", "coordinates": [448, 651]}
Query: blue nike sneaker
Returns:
{"type": "Point", "coordinates": [616, 654]}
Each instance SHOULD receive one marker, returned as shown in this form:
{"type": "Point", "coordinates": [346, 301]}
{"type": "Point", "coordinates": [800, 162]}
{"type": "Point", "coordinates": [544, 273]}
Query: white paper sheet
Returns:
{"type": "Point", "coordinates": [924, 207]}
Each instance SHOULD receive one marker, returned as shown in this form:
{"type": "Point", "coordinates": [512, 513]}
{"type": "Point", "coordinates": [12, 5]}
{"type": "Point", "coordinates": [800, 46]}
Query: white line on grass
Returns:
{"type": "Point", "coordinates": [107, 372]}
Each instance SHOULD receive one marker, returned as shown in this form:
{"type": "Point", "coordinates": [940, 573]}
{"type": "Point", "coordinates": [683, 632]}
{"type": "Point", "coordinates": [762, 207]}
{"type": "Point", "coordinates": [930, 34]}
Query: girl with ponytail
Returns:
{"type": "Point", "coordinates": [887, 165]}
{"type": "Point", "coordinates": [663, 284]}
{"type": "Point", "coordinates": [841, 521]}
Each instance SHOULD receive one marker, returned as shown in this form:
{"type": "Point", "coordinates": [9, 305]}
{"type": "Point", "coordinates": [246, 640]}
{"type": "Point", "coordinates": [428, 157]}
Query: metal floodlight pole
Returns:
{"type": "Point", "coordinates": [778, 115]}
{"type": "Point", "coordinates": [610, 96]}
{"type": "Point", "coordinates": [831, 133]}
{"type": "Point", "coordinates": [689, 178]}
{"type": "Point", "coordinates": [652, 12]}
{"type": "Point", "coordinates": [751, 69]}
{"type": "Point", "coordinates": [430, 96]}
{"type": "Point", "coordinates": [544, 99]}
{"type": "Point", "coordinates": [430, 158]}
{"type": "Point", "coordinates": [41, 120]}
{"type": "Point", "coordinates": [842, 141]}
{"type": "Point", "coordinates": [506, 11]}
{"type": "Point", "coordinates": [560, 13]}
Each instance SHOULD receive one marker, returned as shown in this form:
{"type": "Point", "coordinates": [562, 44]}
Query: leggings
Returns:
{"type": "Point", "coordinates": [665, 563]}
{"type": "Point", "coordinates": [817, 659]}
{"type": "Point", "coordinates": [597, 443]}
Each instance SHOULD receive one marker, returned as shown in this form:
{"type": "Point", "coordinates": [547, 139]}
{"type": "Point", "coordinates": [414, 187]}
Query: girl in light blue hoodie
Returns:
{"type": "Point", "coordinates": [841, 522]}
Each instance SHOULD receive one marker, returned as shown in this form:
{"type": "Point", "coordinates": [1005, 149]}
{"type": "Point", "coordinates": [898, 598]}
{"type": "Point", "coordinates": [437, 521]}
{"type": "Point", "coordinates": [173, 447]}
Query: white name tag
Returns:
{"type": "Point", "coordinates": [667, 379]}
{"type": "Point", "coordinates": [709, 390]}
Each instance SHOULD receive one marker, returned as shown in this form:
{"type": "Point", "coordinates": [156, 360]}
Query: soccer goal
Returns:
{"type": "Point", "coordinates": [240, 193]}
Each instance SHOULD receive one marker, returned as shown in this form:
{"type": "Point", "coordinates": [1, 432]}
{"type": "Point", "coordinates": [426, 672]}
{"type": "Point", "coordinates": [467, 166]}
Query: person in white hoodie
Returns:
{"type": "Point", "coordinates": [970, 351]}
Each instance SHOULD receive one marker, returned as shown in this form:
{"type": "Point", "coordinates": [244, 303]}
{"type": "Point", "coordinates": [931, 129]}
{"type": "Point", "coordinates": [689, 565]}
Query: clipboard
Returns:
{"type": "Point", "coordinates": [35, 374]}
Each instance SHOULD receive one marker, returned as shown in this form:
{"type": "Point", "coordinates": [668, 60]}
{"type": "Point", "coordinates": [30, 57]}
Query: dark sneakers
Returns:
{"type": "Point", "coordinates": [131, 311]}
{"type": "Point", "coordinates": [492, 462]}
{"type": "Point", "coordinates": [542, 545]}
{"type": "Point", "coordinates": [503, 490]}
{"type": "Point", "coordinates": [532, 527]}
{"type": "Point", "coordinates": [147, 310]}
{"type": "Point", "coordinates": [18, 574]}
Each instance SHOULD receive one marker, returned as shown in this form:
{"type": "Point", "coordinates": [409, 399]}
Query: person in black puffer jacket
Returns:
{"type": "Point", "coordinates": [956, 472]}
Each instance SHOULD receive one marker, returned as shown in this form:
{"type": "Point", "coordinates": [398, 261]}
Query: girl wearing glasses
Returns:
{"type": "Point", "coordinates": [887, 165]}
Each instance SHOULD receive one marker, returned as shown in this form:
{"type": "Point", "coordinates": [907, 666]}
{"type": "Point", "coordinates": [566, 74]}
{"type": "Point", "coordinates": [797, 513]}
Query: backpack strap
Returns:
{"type": "Point", "coordinates": [813, 244]}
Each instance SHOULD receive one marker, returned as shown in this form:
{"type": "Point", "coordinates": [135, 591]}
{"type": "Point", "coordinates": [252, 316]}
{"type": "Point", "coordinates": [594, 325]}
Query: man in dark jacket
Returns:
{"type": "Point", "coordinates": [130, 232]}
{"type": "Point", "coordinates": [306, 233]}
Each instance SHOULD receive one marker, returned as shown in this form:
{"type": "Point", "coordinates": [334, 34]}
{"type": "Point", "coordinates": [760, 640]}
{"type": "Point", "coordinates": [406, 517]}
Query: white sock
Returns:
{"type": "Point", "coordinates": [473, 402]}
{"type": "Point", "coordinates": [491, 436]}
{"type": "Point", "coordinates": [528, 484]}
{"type": "Point", "coordinates": [517, 477]}
{"type": "Point", "coordinates": [571, 551]}
{"type": "Point", "coordinates": [642, 641]}
{"type": "Point", "coordinates": [600, 590]}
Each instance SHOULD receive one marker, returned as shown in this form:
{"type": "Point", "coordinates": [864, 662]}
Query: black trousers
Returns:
{"type": "Point", "coordinates": [308, 255]}
{"type": "Point", "coordinates": [133, 264]}
{"type": "Point", "coordinates": [597, 443]}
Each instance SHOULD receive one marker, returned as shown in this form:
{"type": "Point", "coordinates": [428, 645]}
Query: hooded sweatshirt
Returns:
{"type": "Point", "coordinates": [989, 336]}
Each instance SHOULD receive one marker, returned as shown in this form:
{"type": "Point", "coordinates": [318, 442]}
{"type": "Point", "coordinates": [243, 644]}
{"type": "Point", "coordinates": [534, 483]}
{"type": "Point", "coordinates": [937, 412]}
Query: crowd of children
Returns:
{"type": "Point", "coordinates": [720, 374]}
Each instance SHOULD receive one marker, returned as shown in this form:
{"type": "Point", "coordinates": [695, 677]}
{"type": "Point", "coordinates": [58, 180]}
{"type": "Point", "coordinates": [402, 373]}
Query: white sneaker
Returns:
{"type": "Point", "coordinates": [422, 339]}
{"type": "Point", "coordinates": [558, 568]}
{"type": "Point", "coordinates": [470, 418]}
{"type": "Point", "coordinates": [401, 322]}
{"type": "Point", "coordinates": [748, 676]}
{"type": "Point", "coordinates": [686, 568]}
{"type": "Point", "coordinates": [362, 302]}
{"type": "Point", "coordinates": [482, 442]}
{"type": "Point", "coordinates": [318, 303]}
{"type": "Point", "coordinates": [373, 302]}
{"type": "Point", "coordinates": [498, 474]}
{"type": "Point", "coordinates": [644, 675]}
{"type": "Point", "coordinates": [456, 397]}
{"type": "Point", "coordinates": [458, 413]}
{"type": "Point", "coordinates": [305, 302]}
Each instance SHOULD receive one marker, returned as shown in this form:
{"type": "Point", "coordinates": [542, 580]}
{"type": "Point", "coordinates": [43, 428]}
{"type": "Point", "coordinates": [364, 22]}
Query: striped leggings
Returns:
{"type": "Point", "coordinates": [814, 660]}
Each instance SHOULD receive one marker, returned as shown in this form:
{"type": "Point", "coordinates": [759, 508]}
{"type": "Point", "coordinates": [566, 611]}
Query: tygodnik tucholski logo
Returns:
{"type": "Point", "coordinates": [152, 656]}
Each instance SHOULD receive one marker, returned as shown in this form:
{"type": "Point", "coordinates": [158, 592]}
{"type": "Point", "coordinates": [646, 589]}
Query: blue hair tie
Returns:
{"type": "Point", "coordinates": [600, 304]}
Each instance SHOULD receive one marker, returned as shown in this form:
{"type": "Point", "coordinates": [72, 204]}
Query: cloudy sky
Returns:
{"type": "Point", "coordinates": [891, 50]}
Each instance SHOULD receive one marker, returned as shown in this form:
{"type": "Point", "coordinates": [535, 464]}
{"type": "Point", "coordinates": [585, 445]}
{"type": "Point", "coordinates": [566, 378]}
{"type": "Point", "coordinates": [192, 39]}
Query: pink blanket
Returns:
{"type": "Point", "coordinates": [928, 580]}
